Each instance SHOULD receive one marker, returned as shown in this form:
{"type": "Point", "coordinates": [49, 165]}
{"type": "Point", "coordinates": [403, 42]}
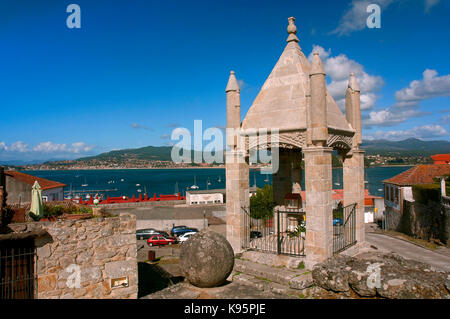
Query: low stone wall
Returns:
{"type": "Point", "coordinates": [79, 259]}
{"type": "Point", "coordinates": [143, 204]}
{"type": "Point", "coordinates": [430, 221]}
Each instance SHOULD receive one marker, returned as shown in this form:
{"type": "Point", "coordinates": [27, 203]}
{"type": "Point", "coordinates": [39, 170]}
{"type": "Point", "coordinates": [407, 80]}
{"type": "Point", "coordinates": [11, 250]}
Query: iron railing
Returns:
{"type": "Point", "coordinates": [282, 234]}
{"type": "Point", "coordinates": [17, 270]}
{"type": "Point", "coordinates": [344, 228]}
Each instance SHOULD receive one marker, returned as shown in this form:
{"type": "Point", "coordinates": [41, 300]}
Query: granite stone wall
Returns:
{"type": "Point", "coordinates": [79, 258]}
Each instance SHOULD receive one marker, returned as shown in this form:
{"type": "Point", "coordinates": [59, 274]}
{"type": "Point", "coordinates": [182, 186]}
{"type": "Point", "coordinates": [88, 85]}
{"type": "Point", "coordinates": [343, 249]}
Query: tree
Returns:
{"type": "Point", "coordinates": [262, 203]}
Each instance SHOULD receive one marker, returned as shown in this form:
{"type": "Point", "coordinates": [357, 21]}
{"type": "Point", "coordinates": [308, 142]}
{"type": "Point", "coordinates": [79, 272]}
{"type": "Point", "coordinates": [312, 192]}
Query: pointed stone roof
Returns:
{"type": "Point", "coordinates": [281, 103]}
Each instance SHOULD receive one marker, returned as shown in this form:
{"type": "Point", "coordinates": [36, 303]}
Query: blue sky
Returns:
{"type": "Point", "coordinates": [137, 69]}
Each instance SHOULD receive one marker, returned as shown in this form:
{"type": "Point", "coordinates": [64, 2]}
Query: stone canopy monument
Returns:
{"type": "Point", "coordinates": [294, 104]}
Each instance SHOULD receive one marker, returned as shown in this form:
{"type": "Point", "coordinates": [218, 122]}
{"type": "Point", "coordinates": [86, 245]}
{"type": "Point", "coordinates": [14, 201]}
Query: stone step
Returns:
{"type": "Point", "coordinates": [294, 279]}
{"type": "Point", "coordinates": [264, 285]}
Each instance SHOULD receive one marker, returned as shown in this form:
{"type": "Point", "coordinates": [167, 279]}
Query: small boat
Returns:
{"type": "Point", "coordinates": [208, 182]}
{"type": "Point", "coordinates": [195, 184]}
{"type": "Point", "coordinates": [139, 190]}
{"type": "Point", "coordinates": [267, 178]}
{"type": "Point", "coordinates": [176, 189]}
{"type": "Point", "coordinates": [85, 183]}
{"type": "Point", "coordinates": [219, 180]}
{"type": "Point", "coordinates": [138, 184]}
{"type": "Point", "coordinates": [121, 179]}
{"type": "Point", "coordinates": [380, 189]}
{"type": "Point", "coordinates": [338, 184]}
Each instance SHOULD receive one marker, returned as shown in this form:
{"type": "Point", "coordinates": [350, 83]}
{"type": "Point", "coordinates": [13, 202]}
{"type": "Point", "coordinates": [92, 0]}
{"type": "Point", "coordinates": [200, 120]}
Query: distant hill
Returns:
{"type": "Point", "coordinates": [408, 147]}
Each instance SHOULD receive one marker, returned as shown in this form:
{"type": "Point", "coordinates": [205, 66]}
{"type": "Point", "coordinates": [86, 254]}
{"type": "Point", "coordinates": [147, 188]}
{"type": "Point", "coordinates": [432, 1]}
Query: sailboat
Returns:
{"type": "Point", "coordinates": [85, 183]}
{"type": "Point", "coordinates": [195, 184]}
{"type": "Point", "coordinates": [219, 180]}
{"type": "Point", "coordinates": [208, 182]}
{"type": "Point", "coordinates": [176, 188]}
{"type": "Point", "coordinates": [267, 178]}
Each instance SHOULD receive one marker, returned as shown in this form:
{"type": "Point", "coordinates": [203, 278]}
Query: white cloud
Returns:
{"type": "Point", "coordinates": [139, 126]}
{"type": "Point", "coordinates": [390, 117]}
{"type": "Point", "coordinates": [355, 17]}
{"type": "Point", "coordinates": [424, 132]}
{"type": "Point", "coordinates": [430, 86]}
{"type": "Point", "coordinates": [429, 4]}
{"type": "Point", "coordinates": [48, 147]}
{"type": "Point", "coordinates": [165, 136]}
{"type": "Point", "coordinates": [338, 68]}
{"type": "Point", "coordinates": [80, 147]}
{"type": "Point", "coordinates": [19, 146]}
{"type": "Point", "coordinates": [444, 120]}
{"type": "Point", "coordinates": [3, 146]}
{"type": "Point", "coordinates": [408, 99]}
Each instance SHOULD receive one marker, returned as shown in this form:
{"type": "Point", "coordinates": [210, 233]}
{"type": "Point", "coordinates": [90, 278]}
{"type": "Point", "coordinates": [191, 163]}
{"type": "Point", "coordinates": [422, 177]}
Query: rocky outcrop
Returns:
{"type": "Point", "coordinates": [206, 259]}
{"type": "Point", "coordinates": [381, 274]}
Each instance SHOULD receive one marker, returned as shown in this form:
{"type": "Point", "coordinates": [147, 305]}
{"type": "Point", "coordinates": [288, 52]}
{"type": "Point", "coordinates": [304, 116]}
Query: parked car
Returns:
{"type": "Point", "coordinates": [255, 234]}
{"type": "Point", "coordinates": [159, 240]}
{"type": "Point", "coordinates": [180, 230]}
{"type": "Point", "coordinates": [186, 236]}
{"type": "Point", "coordinates": [145, 233]}
{"type": "Point", "coordinates": [165, 235]}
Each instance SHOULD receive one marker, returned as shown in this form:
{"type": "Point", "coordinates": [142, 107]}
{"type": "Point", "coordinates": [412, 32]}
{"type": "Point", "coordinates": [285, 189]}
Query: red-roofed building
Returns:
{"type": "Point", "coordinates": [18, 188]}
{"type": "Point", "coordinates": [399, 188]}
{"type": "Point", "coordinates": [372, 204]}
{"type": "Point", "coordinates": [441, 158]}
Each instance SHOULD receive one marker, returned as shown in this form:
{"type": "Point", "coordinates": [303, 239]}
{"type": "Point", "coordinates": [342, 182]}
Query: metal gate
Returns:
{"type": "Point", "coordinates": [344, 228]}
{"type": "Point", "coordinates": [17, 269]}
{"type": "Point", "coordinates": [282, 234]}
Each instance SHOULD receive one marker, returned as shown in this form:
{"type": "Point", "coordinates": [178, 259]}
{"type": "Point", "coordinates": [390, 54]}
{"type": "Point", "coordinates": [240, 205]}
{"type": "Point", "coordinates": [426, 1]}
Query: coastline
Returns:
{"type": "Point", "coordinates": [190, 167]}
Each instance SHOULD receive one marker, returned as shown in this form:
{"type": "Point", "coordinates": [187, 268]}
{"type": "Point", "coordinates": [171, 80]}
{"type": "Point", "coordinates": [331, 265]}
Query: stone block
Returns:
{"type": "Point", "coordinates": [120, 268]}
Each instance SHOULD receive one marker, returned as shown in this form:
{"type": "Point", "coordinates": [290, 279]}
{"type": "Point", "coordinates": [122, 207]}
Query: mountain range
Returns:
{"type": "Point", "coordinates": [408, 147]}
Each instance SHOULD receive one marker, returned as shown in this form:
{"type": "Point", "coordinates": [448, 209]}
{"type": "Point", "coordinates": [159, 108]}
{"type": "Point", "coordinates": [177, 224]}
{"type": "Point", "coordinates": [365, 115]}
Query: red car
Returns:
{"type": "Point", "coordinates": [159, 240]}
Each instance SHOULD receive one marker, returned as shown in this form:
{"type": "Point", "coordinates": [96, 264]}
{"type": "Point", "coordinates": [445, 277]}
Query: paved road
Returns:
{"type": "Point", "coordinates": [409, 251]}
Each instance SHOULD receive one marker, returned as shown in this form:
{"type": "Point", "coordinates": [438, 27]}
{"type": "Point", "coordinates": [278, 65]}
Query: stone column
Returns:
{"type": "Point", "coordinates": [318, 187]}
{"type": "Point", "coordinates": [353, 167]}
{"type": "Point", "coordinates": [238, 198]}
{"type": "Point", "coordinates": [353, 176]}
{"type": "Point", "coordinates": [237, 170]}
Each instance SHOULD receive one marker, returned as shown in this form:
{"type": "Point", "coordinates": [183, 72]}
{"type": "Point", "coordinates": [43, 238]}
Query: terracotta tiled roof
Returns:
{"type": "Point", "coordinates": [338, 194]}
{"type": "Point", "coordinates": [420, 174]}
{"type": "Point", "coordinates": [441, 157]}
{"type": "Point", "coordinates": [29, 179]}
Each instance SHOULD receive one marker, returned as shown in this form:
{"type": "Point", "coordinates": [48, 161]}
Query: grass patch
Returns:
{"type": "Point", "coordinates": [301, 296]}
{"type": "Point", "coordinates": [418, 241]}
{"type": "Point", "coordinates": [262, 278]}
{"type": "Point", "coordinates": [301, 265]}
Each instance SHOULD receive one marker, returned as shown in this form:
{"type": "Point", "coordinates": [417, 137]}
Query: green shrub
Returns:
{"type": "Point", "coordinates": [423, 193]}
{"type": "Point", "coordinates": [262, 203]}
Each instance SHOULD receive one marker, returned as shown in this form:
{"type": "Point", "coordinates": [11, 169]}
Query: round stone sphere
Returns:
{"type": "Point", "coordinates": [206, 259]}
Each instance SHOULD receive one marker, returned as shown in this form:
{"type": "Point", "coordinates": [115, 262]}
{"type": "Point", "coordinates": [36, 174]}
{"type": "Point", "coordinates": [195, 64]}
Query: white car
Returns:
{"type": "Point", "coordinates": [185, 236]}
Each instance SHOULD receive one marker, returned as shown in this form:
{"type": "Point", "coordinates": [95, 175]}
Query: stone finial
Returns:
{"type": "Point", "coordinates": [232, 83]}
{"type": "Point", "coordinates": [316, 64]}
{"type": "Point", "coordinates": [353, 83]}
{"type": "Point", "coordinates": [292, 30]}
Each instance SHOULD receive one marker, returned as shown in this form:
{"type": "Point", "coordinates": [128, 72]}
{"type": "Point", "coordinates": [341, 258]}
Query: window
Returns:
{"type": "Point", "coordinates": [396, 195]}
{"type": "Point", "coordinates": [391, 197]}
